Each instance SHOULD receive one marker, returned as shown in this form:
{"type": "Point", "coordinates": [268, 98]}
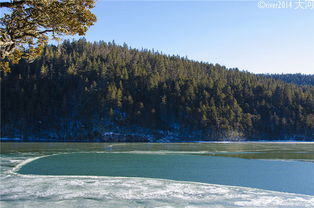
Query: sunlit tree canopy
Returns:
{"type": "Point", "coordinates": [26, 26]}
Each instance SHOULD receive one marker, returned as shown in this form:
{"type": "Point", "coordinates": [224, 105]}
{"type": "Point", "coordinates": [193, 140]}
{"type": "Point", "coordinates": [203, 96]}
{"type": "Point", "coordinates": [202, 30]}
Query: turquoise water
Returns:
{"type": "Point", "coordinates": [284, 176]}
{"type": "Point", "coordinates": [121, 175]}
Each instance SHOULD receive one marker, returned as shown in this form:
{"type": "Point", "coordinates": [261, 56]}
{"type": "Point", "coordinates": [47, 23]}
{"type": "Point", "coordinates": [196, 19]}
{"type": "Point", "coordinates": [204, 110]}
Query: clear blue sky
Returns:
{"type": "Point", "coordinates": [231, 33]}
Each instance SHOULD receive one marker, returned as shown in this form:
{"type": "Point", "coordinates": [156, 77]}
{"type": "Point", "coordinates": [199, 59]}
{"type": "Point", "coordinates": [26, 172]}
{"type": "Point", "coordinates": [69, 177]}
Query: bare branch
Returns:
{"type": "Point", "coordinates": [11, 4]}
{"type": "Point", "coordinates": [45, 31]}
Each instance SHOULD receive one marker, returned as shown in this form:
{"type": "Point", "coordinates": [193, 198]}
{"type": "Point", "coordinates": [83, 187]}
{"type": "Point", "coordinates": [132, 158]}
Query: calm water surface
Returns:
{"type": "Point", "coordinates": [293, 176]}
{"type": "Point", "coordinates": [128, 175]}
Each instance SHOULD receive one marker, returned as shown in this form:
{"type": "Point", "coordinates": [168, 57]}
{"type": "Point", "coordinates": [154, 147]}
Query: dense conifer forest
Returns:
{"type": "Point", "coordinates": [299, 79]}
{"type": "Point", "coordinates": [80, 90]}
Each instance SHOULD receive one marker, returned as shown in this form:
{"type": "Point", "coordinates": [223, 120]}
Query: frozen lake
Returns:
{"type": "Point", "coordinates": [157, 175]}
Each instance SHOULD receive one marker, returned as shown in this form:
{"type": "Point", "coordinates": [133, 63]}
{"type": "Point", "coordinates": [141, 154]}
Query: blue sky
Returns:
{"type": "Point", "coordinates": [231, 33]}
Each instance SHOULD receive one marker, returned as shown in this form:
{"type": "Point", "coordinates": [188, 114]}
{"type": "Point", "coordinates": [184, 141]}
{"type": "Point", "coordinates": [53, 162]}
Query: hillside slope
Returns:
{"type": "Point", "coordinates": [83, 90]}
{"type": "Point", "coordinates": [298, 79]}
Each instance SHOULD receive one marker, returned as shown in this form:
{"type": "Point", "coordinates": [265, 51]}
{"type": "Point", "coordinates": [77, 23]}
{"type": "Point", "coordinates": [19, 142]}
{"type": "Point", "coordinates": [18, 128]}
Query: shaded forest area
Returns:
{"type": "Point", "coordinates": [81, 91]}
{"type": "Point", "coordinates": [299, 79]}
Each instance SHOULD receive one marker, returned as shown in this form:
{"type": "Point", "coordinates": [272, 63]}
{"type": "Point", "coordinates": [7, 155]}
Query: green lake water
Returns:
{"type": "Point", "coordinates": [284, 176]}
{"type": "Point", "coordinates": [128, 175]}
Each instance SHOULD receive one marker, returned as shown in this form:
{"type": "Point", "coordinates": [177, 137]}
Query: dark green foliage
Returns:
{"type": "Point", "coordinates": [299, 79]}
{"type": "Point", "coordinates": [81, 87]}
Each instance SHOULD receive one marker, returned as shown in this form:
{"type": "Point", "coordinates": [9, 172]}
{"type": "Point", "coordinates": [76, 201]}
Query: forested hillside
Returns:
{"type": "Point", "coordinates": [299, 79]}
{"type": "Point", "coordinates": [83, 90]}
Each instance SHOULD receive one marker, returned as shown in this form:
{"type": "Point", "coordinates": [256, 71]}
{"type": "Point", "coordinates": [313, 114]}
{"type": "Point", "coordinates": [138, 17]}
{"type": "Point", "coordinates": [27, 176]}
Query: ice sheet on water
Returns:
{"type": "Point", "coordinates": [65, 191]}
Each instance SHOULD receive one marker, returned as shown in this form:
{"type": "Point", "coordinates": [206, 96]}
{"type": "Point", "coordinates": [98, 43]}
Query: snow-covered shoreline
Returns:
{"type": "Point", "coordinates": [7, 139]}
